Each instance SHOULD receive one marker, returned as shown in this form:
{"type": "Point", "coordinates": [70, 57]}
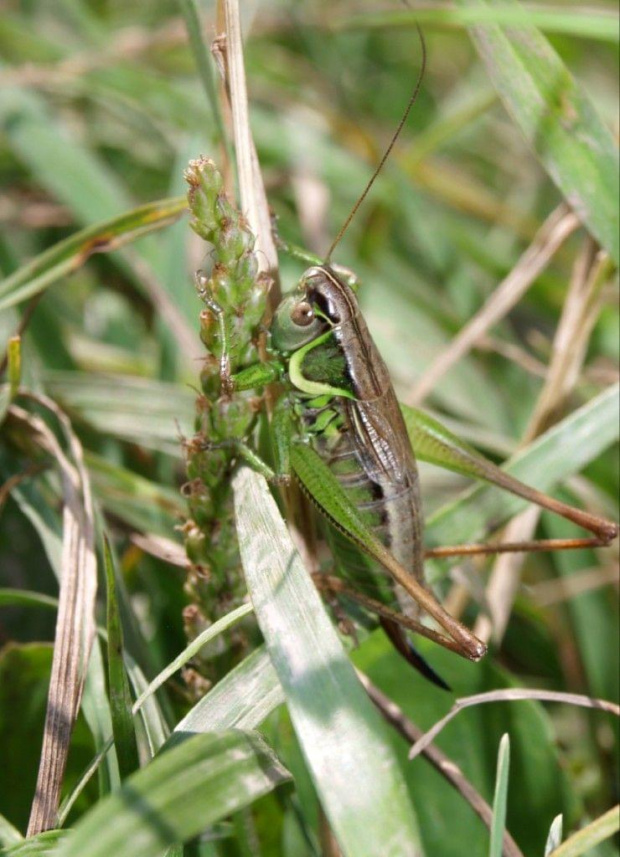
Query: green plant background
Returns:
{"type": "Point", "coordinates": [101, 108]}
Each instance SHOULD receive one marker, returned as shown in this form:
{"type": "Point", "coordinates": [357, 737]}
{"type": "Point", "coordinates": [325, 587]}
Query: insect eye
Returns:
{"type": "Point", "coordinates": [302, 314]}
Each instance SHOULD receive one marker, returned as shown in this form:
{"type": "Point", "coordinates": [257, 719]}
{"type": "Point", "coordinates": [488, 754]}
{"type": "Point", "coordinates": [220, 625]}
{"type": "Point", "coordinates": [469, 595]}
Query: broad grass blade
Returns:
{"type": "Point", "coordinates": [241, 700]}
{"type": "Point", "coordinates": [180, 793]}
{"type": "Point", "coordinates": [140, 410]}
{"type": "Point", "coordinates": [342, 737]}
{"type": "Point", "coordinates": [583, 23]}
{"type": "Point", "coordinates": [556, 118]}
{"type": "Point", "coordinates": [9, 835]}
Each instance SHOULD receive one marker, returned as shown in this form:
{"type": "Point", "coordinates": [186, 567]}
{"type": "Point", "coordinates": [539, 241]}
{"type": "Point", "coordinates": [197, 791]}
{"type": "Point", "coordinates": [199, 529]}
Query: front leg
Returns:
{"type": "Point", "coordinates": [243, 451]}
{"type": "Point", "coordinates": [281, 431]}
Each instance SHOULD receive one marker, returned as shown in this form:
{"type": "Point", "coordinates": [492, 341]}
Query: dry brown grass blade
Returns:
{"type": "Point", "coordinates": [561, 589]}
{"type": "Point", "coordinates": [442, 763]}
{"type": "Point", "coordinates": [75, 625]}
{"type": "Point", "coordinates": [255, 206]}
{"type": "Point", "coordinates": [251, 187]}
{"type": "Point", "coordinates": [555, 230]}
{"type": "Point", "coordinates": [161, 548]}
{"type": "Point", "coordinates": [511, 694]}
{"type": "Point", "coordinates": [515, 354]}
{"type": "Point", "coordinates": [579, 314]}
{"type": "Point", "coordinates": [505, 578]}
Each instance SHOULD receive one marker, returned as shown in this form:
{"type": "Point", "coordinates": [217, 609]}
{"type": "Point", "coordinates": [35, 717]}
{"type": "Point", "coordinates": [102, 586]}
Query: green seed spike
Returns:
{"type": "Point", "coordinates": [234, 299]}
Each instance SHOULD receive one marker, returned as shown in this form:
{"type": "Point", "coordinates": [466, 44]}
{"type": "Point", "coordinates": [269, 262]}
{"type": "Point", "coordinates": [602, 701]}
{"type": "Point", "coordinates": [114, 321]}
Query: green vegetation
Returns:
{"type": "Point", "coordinates": [495, 308]}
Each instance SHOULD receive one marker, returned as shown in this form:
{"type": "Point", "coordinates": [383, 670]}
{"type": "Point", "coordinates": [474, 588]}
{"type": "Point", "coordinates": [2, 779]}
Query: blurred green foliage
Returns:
{"type": "Point", "coordinates": [100, 110]}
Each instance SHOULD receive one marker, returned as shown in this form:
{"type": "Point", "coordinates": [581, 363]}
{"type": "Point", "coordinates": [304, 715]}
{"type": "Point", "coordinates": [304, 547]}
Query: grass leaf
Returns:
{"type": "Point", "coordinates": [242, 699]}
{"type": "Point", "coordinates": [178, 794]}
{"type": "Point", "coordinates": [555, 835]}
{"type": "Point", "coordinates": [342, 736]}
{"type": "Point", "coordinates": [67, 256]}
{"type": "Point", "coordinates": [120, 697]}
{"type": "Point", "coordinates": [557, 119]}
{"type": "Point", "coordinates": [500, 798]}
{"type": "Point", "coordinates": [42, 845]}
{"type": "Point", "coordinates": [582, 842]}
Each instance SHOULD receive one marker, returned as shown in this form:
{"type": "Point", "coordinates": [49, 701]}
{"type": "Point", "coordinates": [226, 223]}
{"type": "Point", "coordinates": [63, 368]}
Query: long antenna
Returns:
{"type": "Point", "coordinates": [387, 152]}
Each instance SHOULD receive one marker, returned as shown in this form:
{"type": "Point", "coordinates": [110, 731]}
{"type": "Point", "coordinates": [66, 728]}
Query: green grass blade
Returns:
{"type": "Point", "coordinates": [30, 599]}
{"type": "Point", "coordinates": [67, 256]}
{"type": "Point", "coordinates": [190, 13]}
{"type": "Point", "coordinates": [500, 798]}
{"type": "Point", "coordinates": [9, 835]}
{"type": "Point", "coordinates": [342, 736]}
{"type": "Point", "coordinates": [5, 400]}
{"type": "Point", "coordinates": [146, 701]}
{"type": "Point", "coordinates": [582, 842]}
{"type": "Point", "coordinates": [241, 700]}
{"type": "Point", "coordinates": [120, 697]}
{"type": "Point", "coordinates": [557, 119]}
{"type": "Point", "coordinates": [145, 505]}
{"type": "Point", "coordinates": [601, 24]}
{"type": "Point", "coordinates": [592, 616]}
{"type": "Point", "coordinates": [71, 171]}
{"type": "Point", "coordinates": [43, 518]}
{"type": "Point", "coordinates": [554, 838]}
{"type": "Point", "coordinates": [14, 369]}
{"type": "Point", "coordinates": [152, 711]}
{"type": "Point", "coordinates": [190, 650]}
{"type": "Point", "coordinates": [96, 709]}
{"type": "Point", "coordinates": [177, 795]}
{"type": "Point", "coordinates": [43, 845]}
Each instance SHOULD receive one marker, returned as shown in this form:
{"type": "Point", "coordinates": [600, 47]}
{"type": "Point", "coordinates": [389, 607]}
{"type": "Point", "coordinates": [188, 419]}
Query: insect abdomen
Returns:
{"type": "Point", "coordinates": [388, 509]}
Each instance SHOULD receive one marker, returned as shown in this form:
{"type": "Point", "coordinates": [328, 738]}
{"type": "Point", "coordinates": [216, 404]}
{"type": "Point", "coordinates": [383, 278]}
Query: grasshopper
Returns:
{"type": "Point", "coordinates": [339, 430]}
